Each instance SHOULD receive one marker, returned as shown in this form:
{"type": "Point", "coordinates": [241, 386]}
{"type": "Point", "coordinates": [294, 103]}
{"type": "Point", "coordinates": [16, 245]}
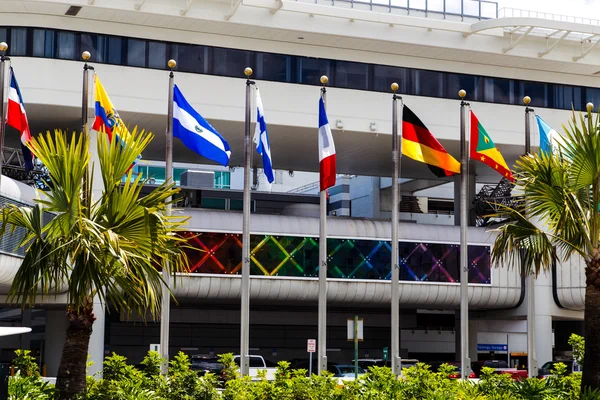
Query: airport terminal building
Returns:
{"type": "Point", "coordinates": [431, 48]}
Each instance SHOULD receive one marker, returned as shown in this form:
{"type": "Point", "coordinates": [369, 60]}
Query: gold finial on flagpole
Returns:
{"type": "Point", "coordinates": [395, 87]}
{"type": "Point", "coordinates": [3, 47]}
{"type": "Point", "coordinates": [324, 80]}
{"type": "Point", "coordinates": [172, 64]}
{"type": "Point", "coordinates": [526, 100]}
{"type": "Point", "coordinates": [589, 106]}
{"type": "Point", "coordinates": [248, 71]}
{"type": "Point", "coordinates": [86, 55]}
{"type": "Point", "coordinates": [462, 94]}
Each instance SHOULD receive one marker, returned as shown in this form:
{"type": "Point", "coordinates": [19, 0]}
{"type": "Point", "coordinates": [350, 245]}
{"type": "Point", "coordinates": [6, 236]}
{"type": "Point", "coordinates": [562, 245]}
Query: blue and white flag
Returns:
{"type": "Point", "coordinates": [261, 138]}
{"type": "Point", "coordinates": [548, 136]}
{"type": "Point", "coordinates": [196, 133]}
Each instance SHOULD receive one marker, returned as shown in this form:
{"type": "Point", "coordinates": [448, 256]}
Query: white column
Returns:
{"type": "Point", "coordinates": [544, 306]}
{"type": "Point", "coordinates": [54, 340]}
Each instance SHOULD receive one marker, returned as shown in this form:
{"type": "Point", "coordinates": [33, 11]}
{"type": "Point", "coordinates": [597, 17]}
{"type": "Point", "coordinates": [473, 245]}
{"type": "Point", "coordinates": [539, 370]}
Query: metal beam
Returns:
{"type": "Point", "coordinates": [187, 7]}
{"type": "Point", "coordinates": [513, 45]}
{"type": "Point", "coordinates": [586, 52]}
{"type": "Point", "coordinates": [139, 5]}
{"type": "Point", "coordinates": [234, 9]}
{"type": "Point", "coordinates": [549, 49]}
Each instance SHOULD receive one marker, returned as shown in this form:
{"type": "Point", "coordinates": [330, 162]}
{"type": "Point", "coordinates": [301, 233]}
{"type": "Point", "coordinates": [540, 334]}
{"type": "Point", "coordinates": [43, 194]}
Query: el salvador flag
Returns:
{"type": "Point", "coordinates": [548, 136]}
{"type": "Point", "coordinates": [196, 133]}
{"type": "Point", "coordinates": [261, 138]}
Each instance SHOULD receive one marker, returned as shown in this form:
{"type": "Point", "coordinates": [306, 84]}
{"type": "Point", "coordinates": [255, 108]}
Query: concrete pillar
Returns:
{"type": "Point", "coordinates": [54, 341]}
{"type": "Point", "coordinates": [473, 340]}
{"type": "Point", "coordinates": [543, 339]}
{"type": "Point", "coordinates": [96, 349]}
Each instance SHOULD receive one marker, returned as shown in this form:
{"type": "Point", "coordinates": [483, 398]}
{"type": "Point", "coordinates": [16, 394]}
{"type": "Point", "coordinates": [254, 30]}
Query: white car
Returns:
{"type": "Point", "coordinates": [257, 363]}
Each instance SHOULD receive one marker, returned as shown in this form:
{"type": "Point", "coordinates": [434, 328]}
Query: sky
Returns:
{"type": "Point", "coordinates": [576, 8]}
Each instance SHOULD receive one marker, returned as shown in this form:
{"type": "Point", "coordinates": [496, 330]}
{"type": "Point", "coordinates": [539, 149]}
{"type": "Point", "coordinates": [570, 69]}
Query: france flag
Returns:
{"type": "Point", "coordinates": [196, 133]}
{"type": "Point", "coordinates": [261, 138]}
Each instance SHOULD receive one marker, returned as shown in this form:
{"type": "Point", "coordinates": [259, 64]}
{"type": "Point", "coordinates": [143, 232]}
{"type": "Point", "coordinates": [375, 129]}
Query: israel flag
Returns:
{"type": "Point", "coordinates": [261, 138]}
{"type": "Point", "coordinates": [196, 133]}
{"type": "Point", "coordinates": [549, 138]}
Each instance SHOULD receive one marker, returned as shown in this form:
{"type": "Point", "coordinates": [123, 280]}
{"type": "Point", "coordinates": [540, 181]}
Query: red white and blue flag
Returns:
{"type": "Point", "coordinates": [326, 150]}
{"type": "Point", "coordinates": [17, 118]}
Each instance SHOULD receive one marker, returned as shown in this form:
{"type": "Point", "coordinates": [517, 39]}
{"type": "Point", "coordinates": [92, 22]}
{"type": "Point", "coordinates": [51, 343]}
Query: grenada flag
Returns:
{"type": "Point", "coordinates": [483, 149]}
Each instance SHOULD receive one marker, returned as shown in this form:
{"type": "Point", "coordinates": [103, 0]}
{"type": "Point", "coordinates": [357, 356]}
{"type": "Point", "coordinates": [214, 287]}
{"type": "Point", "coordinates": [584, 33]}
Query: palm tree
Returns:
{"type": "Point", "coordinates": [111, 247]}
{"type": "Point", "coordinates": [562, 195]}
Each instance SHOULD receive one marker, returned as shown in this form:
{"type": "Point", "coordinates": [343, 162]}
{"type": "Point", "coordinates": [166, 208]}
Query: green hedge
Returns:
{"type": "Point", "coordinates": [125, 382]}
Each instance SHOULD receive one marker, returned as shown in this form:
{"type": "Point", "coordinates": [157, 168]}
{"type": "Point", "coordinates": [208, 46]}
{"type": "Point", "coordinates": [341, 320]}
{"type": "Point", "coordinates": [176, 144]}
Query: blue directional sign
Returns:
{"type": "Point", "coordinates": [492, 347]}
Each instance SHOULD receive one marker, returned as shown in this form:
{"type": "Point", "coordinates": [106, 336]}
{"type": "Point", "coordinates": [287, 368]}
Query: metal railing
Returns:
{"type": "Point", "coordinates": [478, 9]}
{"type": "Point", "coordinates": [517, 12]}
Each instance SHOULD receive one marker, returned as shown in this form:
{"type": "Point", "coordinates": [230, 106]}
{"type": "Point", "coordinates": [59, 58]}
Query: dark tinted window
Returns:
{"type": "Point", "coordinates": [536, 90]}
{"type": "Point", "coordinates": [136, 52]}
{"type": "Point", "coordinates": [18, 42]}
{"type": "Point", "coordinates": [3, 35]}
{"type": "Point", "coordinates": [310, 70]}
{"type": "Point", "coordinates": [470, 83]}
{"type": "Point", "coordinates": [429, 83]}
{"type": "Point", "coordinates": [67, 45]}
{"type": "Point", "coordinates": [191, 58]}
{"type": "Point", "coordinates": [157, 55]}
{"type": "Point", "coordinates": [230, 62]}
{"type": "Point", "coordinates": [351, 75]}
{"type": "Point", "coordinates": [274, 67]}
{"type": "Point", "coordinates": [384, 76]}
{"type": "Point", "coordinates": [256, 362]}
{"type": "Point", "coordinates": [96, 45]}
{"type": "Point", "coordinates": [497, 90]}
{"type": "Point", "coordinates": [43, 43]}
{"type": "Point", "coordinates": [115, 50]}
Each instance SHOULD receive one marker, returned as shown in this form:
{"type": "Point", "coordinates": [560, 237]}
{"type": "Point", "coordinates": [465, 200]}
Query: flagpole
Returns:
{"type": "Point", "coordinates": [464, 253]}
{"type": "Point", "coordinates": [322, 331]}
{"type": "Point", "coordinates": [532, 368]}
{"type": "Point", "coordinates": [3, 58]}
{"type": "Point", "coordinates": [396, 154]}
{"type": "Point", "coordinates": [165, 309]}
{"type": "Point", "coordinates": [245, 311]}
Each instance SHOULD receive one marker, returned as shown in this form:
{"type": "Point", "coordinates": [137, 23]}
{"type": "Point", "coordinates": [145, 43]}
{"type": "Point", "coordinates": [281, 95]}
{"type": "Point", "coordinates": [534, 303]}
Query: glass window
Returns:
{"type": "Point", "coordinates": [591, 94]}
{"type": "Point", "coordinates": [3, 35]}
{"type": "Point", "coordinates": [470, 83]}
{"type": "Point", "coordinates": [351, 75]}
{"type": "Point", "coordinates": [222, 180]}
{"type": "Point", "coordinates": [578, 96]}
{"type": "Point", "coordinates": [274, 67]}
{"type": "Point", "coordinates": [95, 44]}
{"type": "Point", "coordinates": [157, 174]}
{"type": "Point", "coordinates": [67, 45]}
{"type": "Point", "coordinates": [157, 55]}
{"type": "Point", "coordinates": [536, 90]}
{"type": "Point", "coordinates": [310, 70]}
{"type": "Point", "coordinates": [191, 58]}
{"type": "Point", "coordinates": [384, 76]}
{"type": "Point", "coordinates": [136, 53]}
{"type": "Point", "coordinates": [497, 90]}
{"type": "Point", "coordinates": [43, 43]}
{"type": "Point", "coordinates": [115, 50]}
{"type": "Point", "coordinates": [177, 174]}
{"type": "Point", "coordinates": [18, 42]}
{"type": "Point", "coordinates": [429, 83]}
{"type": "Point", "coordinates": [230, 62]}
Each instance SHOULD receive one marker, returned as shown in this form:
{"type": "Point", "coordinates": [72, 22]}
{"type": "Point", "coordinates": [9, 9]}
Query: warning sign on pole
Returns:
{"type": "Point", "coordinates": [311, 345]}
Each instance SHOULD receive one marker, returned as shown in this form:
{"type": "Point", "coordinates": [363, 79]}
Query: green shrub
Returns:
{"type": "Point", "coordinates": [23, 387]}
{"type": "Point", "coordinates": [26, 364]}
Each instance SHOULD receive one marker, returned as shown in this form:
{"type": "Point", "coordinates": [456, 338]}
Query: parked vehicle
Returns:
{"type": "Point", "coordinates": [365, 363]}
{"type": "Point", "coordinates": [546, 369]}
{"type": "Point", "coordinates": [500, 367]}
{"type": "Point", "coordinates": [257, 363]}
{"type": "Point", "coordinates": [207, 364]}
{"type": "Point", "coordinates": [344, 372]}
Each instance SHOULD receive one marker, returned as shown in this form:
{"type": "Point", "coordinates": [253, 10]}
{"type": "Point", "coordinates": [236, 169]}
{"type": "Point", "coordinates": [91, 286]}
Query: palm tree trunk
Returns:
{"type": "Point", "coordinates": [591, 361]}
{"type": "Point", "coordinates": [71, 379]}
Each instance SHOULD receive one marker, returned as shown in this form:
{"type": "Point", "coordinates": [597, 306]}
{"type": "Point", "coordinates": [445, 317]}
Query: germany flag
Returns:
{"type": "Point", "coordinates": [420, 145]}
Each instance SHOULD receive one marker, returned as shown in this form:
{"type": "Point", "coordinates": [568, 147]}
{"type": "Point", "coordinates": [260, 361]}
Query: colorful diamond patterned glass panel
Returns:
{"type": "Point", "coordinates": [221, 253]}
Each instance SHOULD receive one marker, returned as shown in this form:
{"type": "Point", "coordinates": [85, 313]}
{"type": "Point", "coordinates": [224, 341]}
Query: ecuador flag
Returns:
{"type": "Point", "coordinates": [483, 149]}
{"type": "Point", "coordinates": [420, 145]}
{"type": "Point", "coordinates": [107, 118]}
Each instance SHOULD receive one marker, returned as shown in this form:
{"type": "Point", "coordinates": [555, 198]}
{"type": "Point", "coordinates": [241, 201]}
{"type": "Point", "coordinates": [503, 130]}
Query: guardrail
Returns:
{"type": "Point", "coordinates": [520, 13]}
{"type": "Point", "coordinates": [479, 9]}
